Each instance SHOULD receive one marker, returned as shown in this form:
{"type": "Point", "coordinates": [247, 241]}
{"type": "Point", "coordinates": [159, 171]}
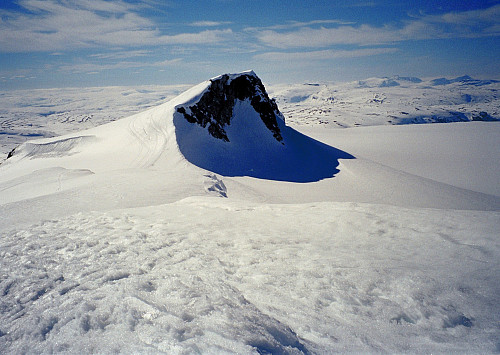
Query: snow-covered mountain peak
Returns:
{"type": "Point", "coordinates": [230, 126]}
{"type": "Point", "coordinates": [236, 75]}
{"type": "Point", "coordinates": [214, 108]}
{"type": "Point", "coordinates": [227, 125]}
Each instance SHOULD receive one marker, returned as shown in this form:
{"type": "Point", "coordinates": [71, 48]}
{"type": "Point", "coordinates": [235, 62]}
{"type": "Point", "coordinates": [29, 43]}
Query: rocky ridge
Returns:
{"type": "Point", "coordinates": [215, 107]}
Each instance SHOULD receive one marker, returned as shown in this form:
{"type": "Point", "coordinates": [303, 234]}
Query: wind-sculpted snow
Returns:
{"type": "Point", "coordinates": [28, 114]}
{"type": "Point", "coordinates": [212, 275]}
{"type": "Point", "coordinates": [45, 113]}
{"type": "Point", "coordinates": [253, 142]}
{"type": "Point", "coordinates": [53, 148]}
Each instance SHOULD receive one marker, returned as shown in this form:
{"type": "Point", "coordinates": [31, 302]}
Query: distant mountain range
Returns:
{"type": "Point", "coordinates": [389, 100]}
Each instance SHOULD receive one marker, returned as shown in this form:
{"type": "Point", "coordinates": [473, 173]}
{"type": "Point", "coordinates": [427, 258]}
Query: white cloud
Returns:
{"type": "Point", "coordinates": [166, 63]}
{"type": "Point", "coordinates": [323, 55]}
{"type": "Point", "coordinates": [98, 67]}
{"type": "Point", "coordinates": [121, 54]}
{"type": "Point", "coordinates": [298, 24]}
{"type": "Point", "coordinates": [209, 23]}
{"type": "Point", "coordinates": [468, 24]}
{"type": "Point", "coordinates": [53, 25]}
{"type": "Point", "coordinates": [491, 14]}
{"type": "Point", "coordinates": [203, 37]}
{"type": "Point", "coordinates": [324, 37]}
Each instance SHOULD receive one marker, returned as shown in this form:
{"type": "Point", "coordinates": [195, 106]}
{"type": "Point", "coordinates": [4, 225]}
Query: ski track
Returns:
{"type": "Point", "coordinates": [152, 139]}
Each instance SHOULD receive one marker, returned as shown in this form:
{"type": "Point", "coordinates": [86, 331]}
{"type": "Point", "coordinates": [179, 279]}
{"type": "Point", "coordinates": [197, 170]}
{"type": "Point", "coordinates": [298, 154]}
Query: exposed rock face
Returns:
{"type": "Point", "coordinates": [215, 107]}
{"type": "Point", "coordinates": [483, 116]}
{"type": "Point", "coordinates": [11, 153]}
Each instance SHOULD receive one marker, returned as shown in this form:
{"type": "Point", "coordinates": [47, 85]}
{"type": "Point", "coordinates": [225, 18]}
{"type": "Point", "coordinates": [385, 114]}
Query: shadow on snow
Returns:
{"type": "Point", "coordinates": [255, 153]}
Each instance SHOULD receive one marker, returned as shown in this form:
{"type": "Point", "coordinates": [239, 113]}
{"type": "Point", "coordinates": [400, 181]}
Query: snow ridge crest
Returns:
{"type": "Point", "coordinates": [215, 107]}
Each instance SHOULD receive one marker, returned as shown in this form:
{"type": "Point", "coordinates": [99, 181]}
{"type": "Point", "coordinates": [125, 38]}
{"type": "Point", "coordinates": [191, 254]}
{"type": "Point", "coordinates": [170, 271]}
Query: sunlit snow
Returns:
{"type": "Point", "coordinates": [115, 239]}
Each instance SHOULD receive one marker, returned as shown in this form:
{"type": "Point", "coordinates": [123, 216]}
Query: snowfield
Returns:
{"type": "Point", "coordinates": [390, 101]}
{"type": "Point", "coordinates": [213, 275]}
{"type": "Point", "coordinates": [119, 238]}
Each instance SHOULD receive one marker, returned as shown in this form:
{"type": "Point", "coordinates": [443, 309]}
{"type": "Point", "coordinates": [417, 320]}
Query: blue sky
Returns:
{"type": "Point", "coordinates": [71, 43]}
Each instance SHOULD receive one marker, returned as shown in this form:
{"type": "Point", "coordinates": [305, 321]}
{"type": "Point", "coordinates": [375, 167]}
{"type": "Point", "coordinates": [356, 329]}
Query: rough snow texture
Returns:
{"type": "Point", "coordinates": [113, 241]}
{"type": "Point", "coordinates": [222, 276]}
{"type": "Point", "coordinates": [215, 107]}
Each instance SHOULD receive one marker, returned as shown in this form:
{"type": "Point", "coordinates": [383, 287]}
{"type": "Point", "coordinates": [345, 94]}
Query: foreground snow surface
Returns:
{"type": "Point", "coordinates": [216, 275]}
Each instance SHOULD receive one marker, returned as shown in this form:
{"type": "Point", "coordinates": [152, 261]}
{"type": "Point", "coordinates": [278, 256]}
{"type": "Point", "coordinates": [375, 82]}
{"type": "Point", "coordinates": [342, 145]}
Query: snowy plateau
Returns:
{"type": "Point", "coordinates": [313, 218]}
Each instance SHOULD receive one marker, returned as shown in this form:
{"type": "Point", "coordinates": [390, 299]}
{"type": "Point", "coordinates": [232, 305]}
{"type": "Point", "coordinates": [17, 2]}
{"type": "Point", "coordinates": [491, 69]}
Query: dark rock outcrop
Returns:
{"type": "Point", "coordinates": [483, 116]}
{"type": "Point", "coordinates": [11, 153]}
{"type": "Point", "coordinates": [215, 107]}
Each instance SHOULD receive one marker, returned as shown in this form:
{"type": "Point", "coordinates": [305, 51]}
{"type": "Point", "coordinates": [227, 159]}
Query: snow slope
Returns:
{"type": "Point", "coordinates": [44, 113]}
{"type": "Point", "coordinates": [257, 153]}
{"type": "Point", "coordinates": [120, 239]}
{"type": "Point", "coordinates": [462, 155]}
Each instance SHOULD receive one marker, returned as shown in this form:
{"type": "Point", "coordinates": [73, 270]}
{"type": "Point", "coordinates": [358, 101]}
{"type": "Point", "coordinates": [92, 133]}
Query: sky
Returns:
{"type": "Point", "coordinates": [79, 43]}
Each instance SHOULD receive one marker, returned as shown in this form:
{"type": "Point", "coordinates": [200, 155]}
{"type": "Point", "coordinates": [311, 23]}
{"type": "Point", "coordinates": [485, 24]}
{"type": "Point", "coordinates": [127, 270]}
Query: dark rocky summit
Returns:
{"type": "Point", "coordinates": [215, 107]}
